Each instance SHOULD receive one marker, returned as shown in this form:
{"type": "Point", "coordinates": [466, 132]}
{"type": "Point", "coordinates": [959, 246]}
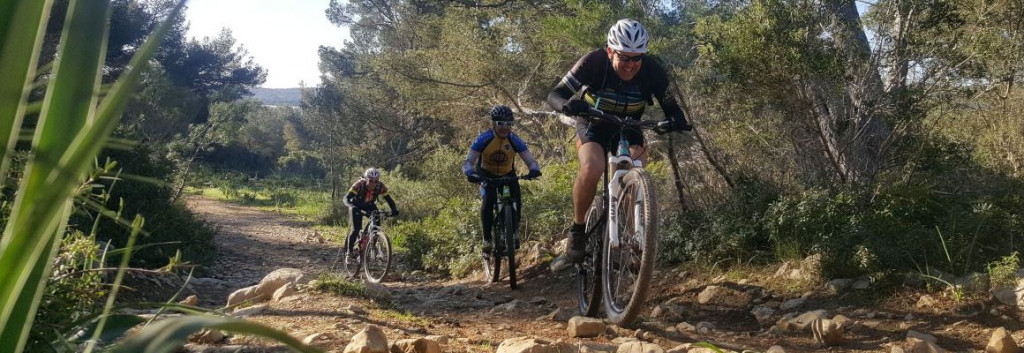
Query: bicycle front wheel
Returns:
{"type": "Point", "coordinates": [496, 253]}
{"type": "Point", "coordinates": [510, 245]}
{"type": "Point", "coordinates": [627, 270]}
{"type": "Point", "coordinates": [377, 257]}
{"type": "Point", "coordinates": [588, 272]}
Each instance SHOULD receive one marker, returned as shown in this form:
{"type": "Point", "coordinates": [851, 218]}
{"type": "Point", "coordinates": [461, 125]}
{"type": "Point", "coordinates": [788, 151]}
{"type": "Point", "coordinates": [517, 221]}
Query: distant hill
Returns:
{"type": "Point", "coordinates": [278, 96]}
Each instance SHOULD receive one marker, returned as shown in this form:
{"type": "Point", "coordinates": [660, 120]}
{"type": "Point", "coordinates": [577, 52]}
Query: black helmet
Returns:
{"type": "Point", "coordinates": [501, 113]}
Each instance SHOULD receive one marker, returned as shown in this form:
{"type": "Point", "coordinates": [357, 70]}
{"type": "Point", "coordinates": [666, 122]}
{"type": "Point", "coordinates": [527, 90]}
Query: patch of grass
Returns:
{"type": "Point", "coordinates": [304, 203]}
{"type": "Point", "coordinates": [338, 284]}
{"type": "Point", "coordinates": [403, 316]}
{"type": "Point", "coordinates": [1003, 273]}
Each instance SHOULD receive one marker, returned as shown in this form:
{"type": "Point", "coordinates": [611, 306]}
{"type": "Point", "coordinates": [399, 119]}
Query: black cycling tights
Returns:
{"type": "Point", "coordinates": [355, 218]}
{"type": "Point", "coordinates": [490, 194]}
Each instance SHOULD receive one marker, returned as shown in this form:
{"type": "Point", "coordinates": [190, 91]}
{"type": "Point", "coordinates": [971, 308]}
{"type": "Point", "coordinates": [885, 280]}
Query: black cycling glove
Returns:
{"type": "Point", "coordinates": [575, 107]}
{"type": "Point", "coordinates": [679, 124]}
{"type": "Point", "coordinates": [533, 174]}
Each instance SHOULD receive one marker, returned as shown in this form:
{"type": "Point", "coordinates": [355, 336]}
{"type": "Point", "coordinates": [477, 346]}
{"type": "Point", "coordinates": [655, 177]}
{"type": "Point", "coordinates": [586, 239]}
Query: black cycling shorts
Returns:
{"type": "Point", "coordinates": [608, 136]}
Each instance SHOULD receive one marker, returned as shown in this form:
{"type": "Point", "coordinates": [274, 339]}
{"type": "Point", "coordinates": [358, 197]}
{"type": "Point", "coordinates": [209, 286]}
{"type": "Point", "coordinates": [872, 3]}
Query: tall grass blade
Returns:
{"type": "Point", "coordinates": [42, 204]}
{"type": "Point", "coordinates": [167, 335]}
{"type": "Point", "coordinates": [69, 113]}
{"type": "Point", "coordinates": [136, 227]}
{"type": "Point", "coordinates": [22, 25]}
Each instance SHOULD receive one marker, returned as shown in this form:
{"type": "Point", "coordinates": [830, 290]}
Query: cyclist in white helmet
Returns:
{"type": "Point", "coordinates": [622, 79]}
{"type": "Point", "coordinates": [362, 197]}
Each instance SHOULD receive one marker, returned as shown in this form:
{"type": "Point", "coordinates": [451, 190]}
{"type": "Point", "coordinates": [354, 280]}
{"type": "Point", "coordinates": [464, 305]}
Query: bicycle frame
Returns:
{"type": "Point", "coordinates": [372, 225]}
{"type": "Point", "coordinates": [504, 197]}
{"type": "Point", "coordinates": [371, 228]}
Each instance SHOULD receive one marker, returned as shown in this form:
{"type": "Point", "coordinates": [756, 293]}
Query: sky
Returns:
{"type": "Point", "coordinates": [281, 36]}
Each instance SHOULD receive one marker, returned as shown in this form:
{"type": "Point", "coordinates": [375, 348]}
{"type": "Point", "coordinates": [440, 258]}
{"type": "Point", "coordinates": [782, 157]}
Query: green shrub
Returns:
{"type": "Point", "coordinates": [1003, 272]}
{"type": "Point", "coordinates": [72, 292]}
{"type": "Point", "coordinates": [731, 229]}
{"type": "Point", "coordinates": [141, 193]}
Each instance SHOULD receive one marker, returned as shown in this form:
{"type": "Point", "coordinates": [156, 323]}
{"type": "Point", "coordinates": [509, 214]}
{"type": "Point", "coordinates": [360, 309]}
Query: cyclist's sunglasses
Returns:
{"type": "Point", "coordinates": [629, 58]}
{"type": "Point", "coordinates": [505, 123]}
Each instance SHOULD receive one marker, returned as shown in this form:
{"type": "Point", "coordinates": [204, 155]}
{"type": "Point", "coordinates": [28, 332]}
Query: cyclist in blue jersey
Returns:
{"type": "Point", "coordinates": [492, 155]}
{"type": "Point", "coordinates": [623, 80]}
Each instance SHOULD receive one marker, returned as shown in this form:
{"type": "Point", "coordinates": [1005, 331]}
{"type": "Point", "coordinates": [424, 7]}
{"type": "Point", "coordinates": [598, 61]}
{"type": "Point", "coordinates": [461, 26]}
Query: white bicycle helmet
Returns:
{"type": "Point", "coordinates": [628, 36]}
{"type": "Point", "coordinates": [372, 174]}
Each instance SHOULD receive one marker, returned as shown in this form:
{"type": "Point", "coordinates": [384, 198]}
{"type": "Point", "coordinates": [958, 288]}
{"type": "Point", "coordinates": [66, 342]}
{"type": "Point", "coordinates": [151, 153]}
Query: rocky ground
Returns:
{"type": "Point", "coordinates": [756, 309]}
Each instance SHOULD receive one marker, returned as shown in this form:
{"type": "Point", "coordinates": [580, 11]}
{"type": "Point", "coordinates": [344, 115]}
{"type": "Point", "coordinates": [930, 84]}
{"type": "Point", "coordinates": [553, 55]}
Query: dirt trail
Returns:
{"type": "Point", "coordinates": [251, 243]}
{"type": "Point", "coordinates": [477, 317]}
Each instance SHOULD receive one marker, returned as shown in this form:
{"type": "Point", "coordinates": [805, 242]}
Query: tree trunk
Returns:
{"type": "Point", "coordinates": [704, 148]}
{"type": "Point", "coordinates": [677, 177]}
{"type": "Point", "coordinates": [824, 125]}
{"type": "Point", "coordinates": [898, 64]}
{"type": "Point", "coordinates": [868, 129]}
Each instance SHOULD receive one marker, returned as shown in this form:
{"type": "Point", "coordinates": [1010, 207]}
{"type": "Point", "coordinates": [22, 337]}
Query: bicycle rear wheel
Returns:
{"type": "Point", "coordinates": [627, 270]}
{"type": "Point", "coordinates": [377, 257]}
{"type": "Point", "coordinates": [588, 272]}
{"type": "Point", "coordinates": [510, 245]}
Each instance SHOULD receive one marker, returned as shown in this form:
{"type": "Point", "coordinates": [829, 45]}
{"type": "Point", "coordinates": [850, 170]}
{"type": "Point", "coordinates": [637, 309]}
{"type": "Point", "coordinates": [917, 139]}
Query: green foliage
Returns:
{"type": "Point", "coordinates": [72, 292]}
{"type": "Point", "coordinates": [732, 229]}
{"type": "Point", "coordinates": [1003, 272]}
{"type": "Point", "coordinates": [139, 191]}
{"type": "Point", "coordinates": [73, 124]}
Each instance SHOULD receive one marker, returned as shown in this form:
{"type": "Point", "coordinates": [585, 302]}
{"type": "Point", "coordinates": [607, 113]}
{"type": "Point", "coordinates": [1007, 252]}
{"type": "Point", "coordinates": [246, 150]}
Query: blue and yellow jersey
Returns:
{"type": "Point", "coordinates": [497, 154]}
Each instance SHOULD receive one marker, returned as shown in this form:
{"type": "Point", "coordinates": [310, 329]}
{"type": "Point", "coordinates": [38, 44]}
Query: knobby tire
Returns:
{"type": "Point", "coordinates": [510, 244]}
{"type": "Point", "coordinates": [626, 272]}
{"type": "Point", "coordinates": [377, 258]}
{"type": "Point", "coordinates": [496, 246]}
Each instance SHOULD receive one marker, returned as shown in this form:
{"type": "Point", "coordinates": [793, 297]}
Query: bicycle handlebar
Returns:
{"type": "Point", "coordinates": [659, 127]}
{"type": "Point", "coordinates": [503, 179]}
{"type": "Point", "coordinates": [382, 215]}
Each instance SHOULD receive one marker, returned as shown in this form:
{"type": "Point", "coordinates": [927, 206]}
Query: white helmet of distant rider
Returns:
{"type": "Point", "coordinates": [628, 36]}
{"type": "Point", "coordinates": [372, 174]}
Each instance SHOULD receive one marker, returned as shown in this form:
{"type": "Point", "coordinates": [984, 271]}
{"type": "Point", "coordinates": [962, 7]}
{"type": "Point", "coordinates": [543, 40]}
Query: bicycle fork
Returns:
{"type": "Point", "coordinates": [622, 164]}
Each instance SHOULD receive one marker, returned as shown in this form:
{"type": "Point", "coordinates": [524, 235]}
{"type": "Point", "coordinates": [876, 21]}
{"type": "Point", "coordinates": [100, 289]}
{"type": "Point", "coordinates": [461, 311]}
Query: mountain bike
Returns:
{"type": "Point", "coordinates": [373, 248]}
{"type": "Point", "coordinates": [504, 238]}
{"type": "Point", "coordinates": [621, 231]}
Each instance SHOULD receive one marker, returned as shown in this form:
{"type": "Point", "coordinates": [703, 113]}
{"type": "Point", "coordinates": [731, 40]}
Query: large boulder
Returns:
{"type": "Point", "coordinates": [418, 345]}
{"type": "Point", "coordinates": [370, 340]}
{"type": "Point", "coordinates": [533, 345]}
{"type": "Point", "coordinates": [278, 278]}
{"type": "Point", "coordinates": [827, 332]}
{"type": "Point", "coordinates": [640, 347]}
{"type": "Point", "coordinates": [245, 294]}
{"type": "Point", "coordinates": [581, 326]}
{"type": "Point", "coordinates": [1001, 342]}
{"type": "Point", "coordinates": [285, 291]}
{"type": "Point", "coordinates": [803, 321]}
